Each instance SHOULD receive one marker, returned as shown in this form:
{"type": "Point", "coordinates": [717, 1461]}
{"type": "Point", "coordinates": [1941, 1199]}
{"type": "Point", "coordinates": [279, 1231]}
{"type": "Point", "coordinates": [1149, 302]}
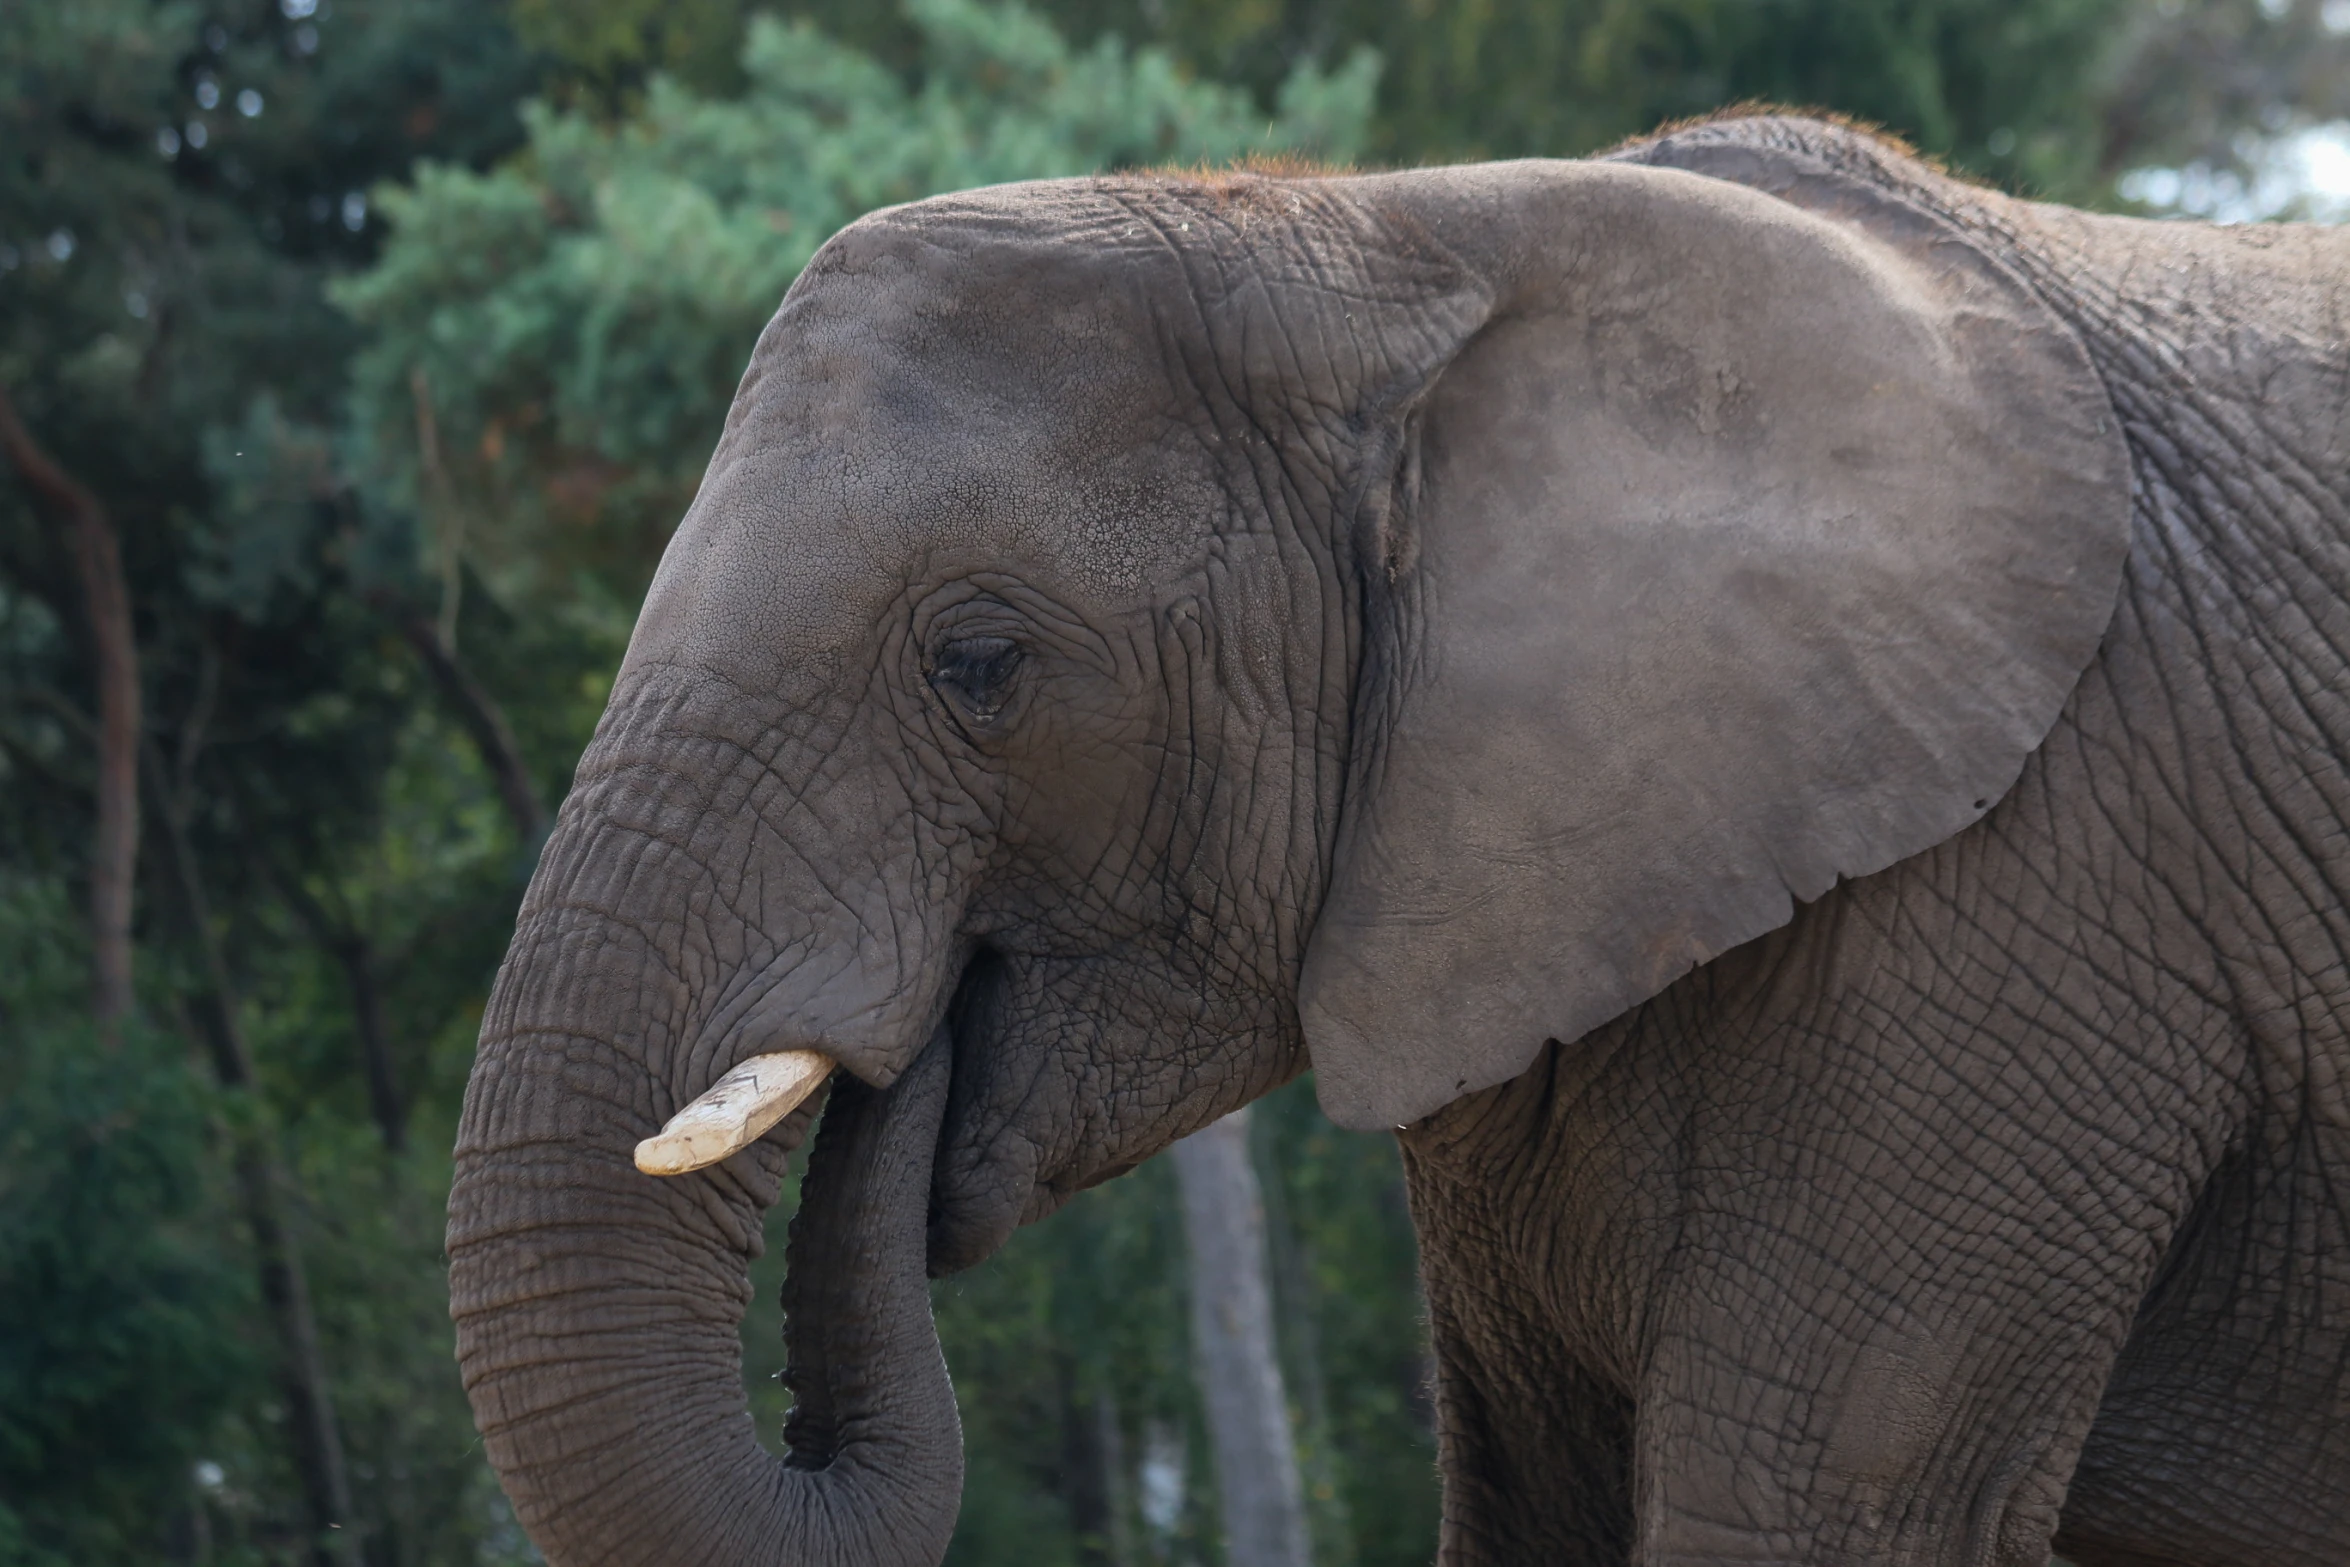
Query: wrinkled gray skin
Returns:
{"type": "Point", "coordinates": [1786, 713]}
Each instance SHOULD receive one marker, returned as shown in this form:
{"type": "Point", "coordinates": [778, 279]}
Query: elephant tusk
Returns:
{"type": "Point", "coordinates": [735, 1113]}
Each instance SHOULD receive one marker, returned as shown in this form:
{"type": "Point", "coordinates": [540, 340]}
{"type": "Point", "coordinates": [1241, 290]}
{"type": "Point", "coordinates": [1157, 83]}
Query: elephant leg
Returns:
{"type": "Point", "coordinates": [1895, 1291]}
{"type": "Point", "coordinates": [1535, 1447]}
{"type": "Point", "coordinates": [2222, 1439]}
{"type": "Point", "coordinates": [1860, 1216]}
{"type": "Point", "coordinates": [1769, 1435]}
{"type": "Point", "coordinates": [1788, 1384]}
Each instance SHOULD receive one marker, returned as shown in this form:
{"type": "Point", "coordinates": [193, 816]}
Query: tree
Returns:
{"type": "Point", "coordinates": [1232, 1334]}
{"type": "Point", "coordinates": [2214, 92]}
{"type": "Point", "coordinates": [2056, 97]}
{"type": "Point", "coordinates": [178, 181]}
{"type": "Point", "coordinates": [114, 853]}
{"type": "Point", "coordinates": [119, 1355]}
{"type": "Point", "coordinates": [556, 340]}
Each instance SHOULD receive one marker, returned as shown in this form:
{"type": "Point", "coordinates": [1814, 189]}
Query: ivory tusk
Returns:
{"type": "Point", "coordinates": [735, 1113]}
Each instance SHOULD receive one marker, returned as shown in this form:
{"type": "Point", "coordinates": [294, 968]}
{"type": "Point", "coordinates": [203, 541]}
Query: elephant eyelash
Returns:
{"type": "Point", "coordinates": [975, 674]}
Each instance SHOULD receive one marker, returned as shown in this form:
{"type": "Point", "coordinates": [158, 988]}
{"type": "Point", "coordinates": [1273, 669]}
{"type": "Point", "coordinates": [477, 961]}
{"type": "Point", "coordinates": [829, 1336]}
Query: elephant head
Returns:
{"type": "Point", "coordinates": [1136, 633]}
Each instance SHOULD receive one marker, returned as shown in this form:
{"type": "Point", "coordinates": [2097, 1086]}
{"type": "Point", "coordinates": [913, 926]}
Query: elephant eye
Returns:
{"type": "Point", "coordinates": [975, 674]}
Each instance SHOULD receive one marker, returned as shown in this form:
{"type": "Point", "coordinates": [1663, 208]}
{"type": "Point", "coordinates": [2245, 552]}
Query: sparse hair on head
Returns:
{"type": "Point", "coordinates": [1281, 165]}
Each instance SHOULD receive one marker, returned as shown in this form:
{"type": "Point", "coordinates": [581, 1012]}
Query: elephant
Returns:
{"type": "Point", "coordinates": [1776, 716]}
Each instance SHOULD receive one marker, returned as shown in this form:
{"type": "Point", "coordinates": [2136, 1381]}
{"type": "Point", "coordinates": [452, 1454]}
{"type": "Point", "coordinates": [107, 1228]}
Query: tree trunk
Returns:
{"type": "Point", "coordinates": [1232, 1336]}
{"type": "Point", "coordinates": [1327, 1521]}
{"type": "Point", "coordinates": [357, 956]}
{"type": "Point", "coordinates": [285, 1291]}
{"type": "Point", "coordinates": [1110, 1443]}
{"type": "Point", "coordinates": [1089, 1467]}
{"type": "Point", "coordinates": [285, 1287]}
{"type": "Point", "coordinates": [106, 600]}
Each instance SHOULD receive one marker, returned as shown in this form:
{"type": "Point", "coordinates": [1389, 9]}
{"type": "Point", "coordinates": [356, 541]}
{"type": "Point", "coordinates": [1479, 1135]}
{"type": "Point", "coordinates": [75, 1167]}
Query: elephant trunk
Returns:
{"type": "Point", "coordinates": [598, 1308]}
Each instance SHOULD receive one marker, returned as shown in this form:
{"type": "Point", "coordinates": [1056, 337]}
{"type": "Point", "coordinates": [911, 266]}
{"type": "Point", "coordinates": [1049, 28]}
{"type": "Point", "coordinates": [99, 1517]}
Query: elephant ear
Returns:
{"type": "Point", "coordinates": [1742, 548]}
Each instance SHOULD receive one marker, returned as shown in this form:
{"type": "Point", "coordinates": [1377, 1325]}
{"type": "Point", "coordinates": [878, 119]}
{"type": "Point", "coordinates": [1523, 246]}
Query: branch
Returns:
{"type": "Point", "coordinates": [59, 706]}
{"type": "Point", "coordinates": [449, 522]}
{"type": "Point", "coordinates": [351, 949]}
{"type": "Point", "coordinates": [21, 756]}
{"type": "Point", "coordinates": [483, 719]}
{"type": "Point", "coordinates": [97, 558]}
{"type": "Point", "coordinates": [285, 1287]}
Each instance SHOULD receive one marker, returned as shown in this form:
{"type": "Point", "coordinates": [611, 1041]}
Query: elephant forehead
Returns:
{"type": "Point", "coordinates": [865, 464]}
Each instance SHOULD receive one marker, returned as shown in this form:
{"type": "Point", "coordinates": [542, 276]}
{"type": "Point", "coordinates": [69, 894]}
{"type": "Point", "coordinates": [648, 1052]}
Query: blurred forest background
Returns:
{"type": "Point", "coordinates": [356, 357]}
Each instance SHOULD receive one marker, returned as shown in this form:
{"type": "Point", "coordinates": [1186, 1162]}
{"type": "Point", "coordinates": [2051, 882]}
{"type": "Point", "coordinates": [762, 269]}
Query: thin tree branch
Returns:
{"type": "Point", "coordinates": [196, 728]}
{"type": "Point", "coordinates": [22, 756]}
{"type": "Point", "coordinates": [449, 529]}
{"type": "Point", "coordinates": [60, 706]}
{"type": "Point", "coordinates": [97, 557]}
{"type": "Point", "coordinates": [356, 954]}
{"type": "Point", "coordinates": [285, 1285]}
{"type": "Point", "coordinates": [483, 719]}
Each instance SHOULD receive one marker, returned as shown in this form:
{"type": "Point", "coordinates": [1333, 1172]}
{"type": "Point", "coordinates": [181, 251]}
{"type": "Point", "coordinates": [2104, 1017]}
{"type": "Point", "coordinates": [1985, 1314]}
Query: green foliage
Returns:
{"type": "Point", "coordinates": [606, 50]}
{"type": "Point", "coordinates": [1354, 1339]}
{"type": "Point", "coordinates": [120, 1313]}
{"type": "Point", "coordinates": [578, 317]}
{"type": "Point", "coordinates": [177, 182]}
{"type": "Point", "coordinates": [2053, 96]}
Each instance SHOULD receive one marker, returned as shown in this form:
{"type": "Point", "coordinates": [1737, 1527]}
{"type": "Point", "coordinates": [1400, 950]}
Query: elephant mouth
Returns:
{"type": "Point", "coordinates": [989, 1177]}
{"type": "Point", "coordinates": [1009, 1150]}
{"type": "Point", "coordinates": [988, 1163]}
